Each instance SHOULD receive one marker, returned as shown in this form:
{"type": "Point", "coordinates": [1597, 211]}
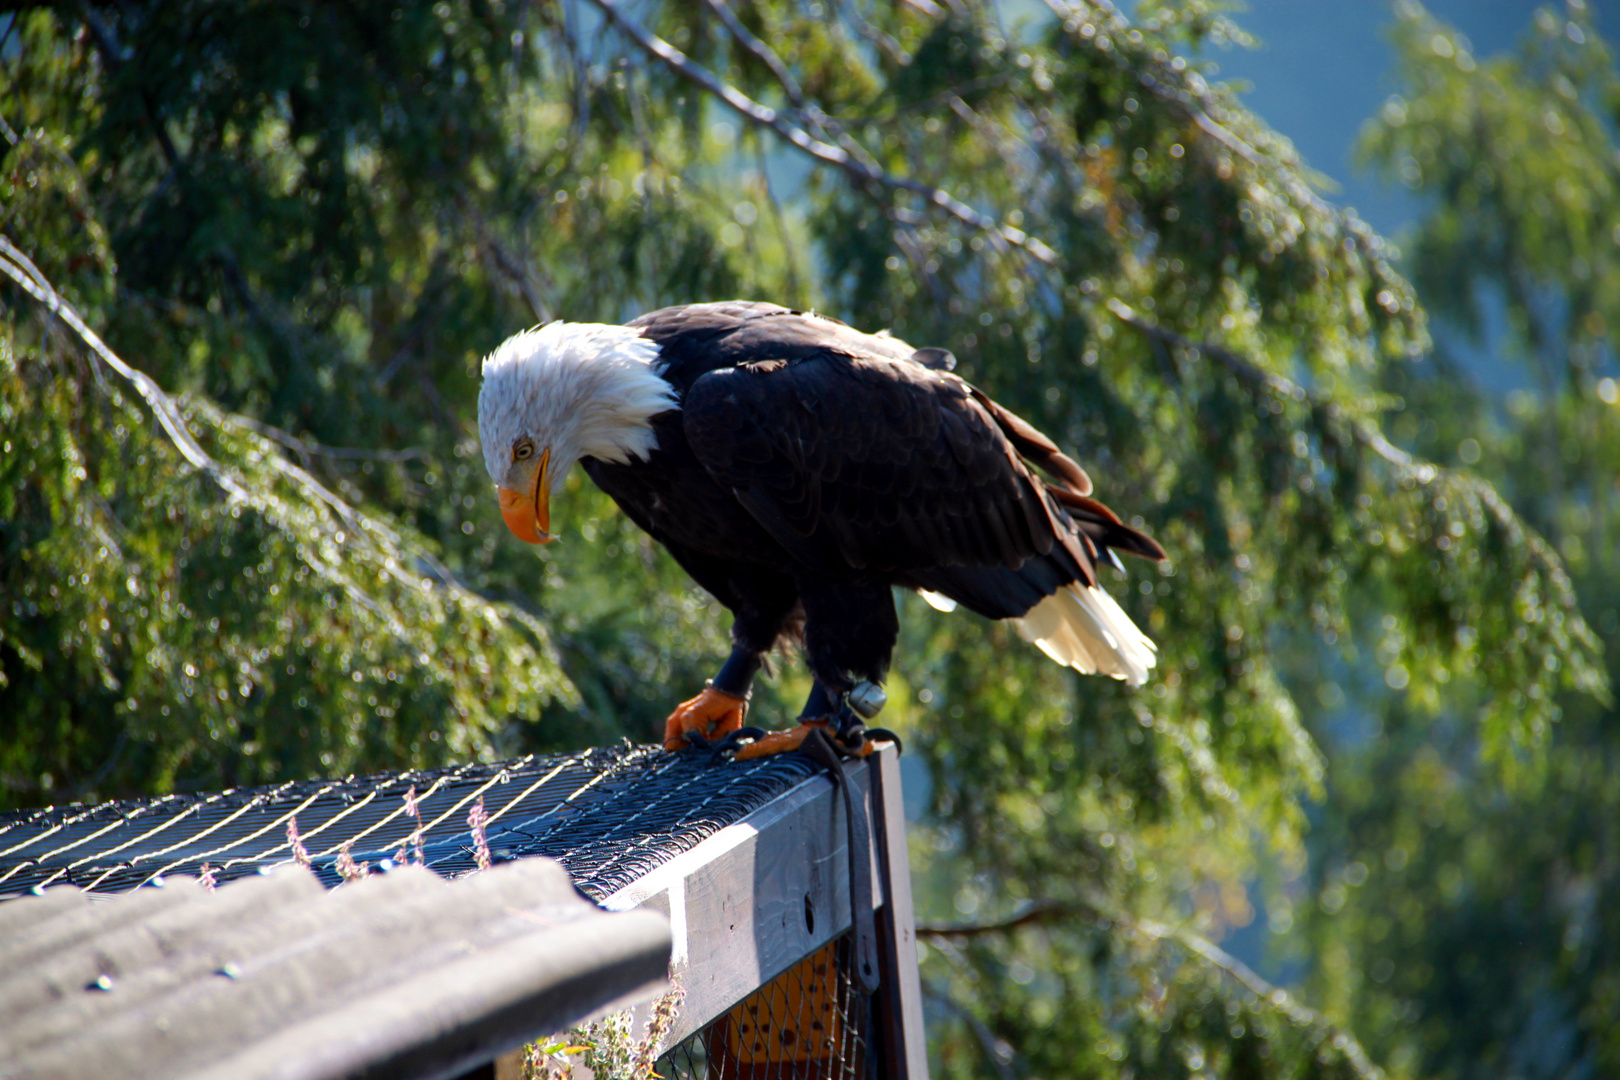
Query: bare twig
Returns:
{"type": "Point", "coordinates": [884, 43]}
{"type": "Point", "coordinates": [987, 1040]}
{"type": "Point", "coordinates": [1038, 912]}
{"type": "Point", "coordinates": [762, 52]}
{"type": "Point", "coordinates": [113, 55]}
{"type": "Point", "coordinates": [766, 117]}
{"type": "Point", "coordinates": [17, 266]}
{"type": "Point", "coordinates": [311, 449]}
{"type": "Point", "coordinates": [518, 271]}
{"type": "Point", "coordinates": [922, 105]}
{"type": "Point", "coordinates": [824, 125]}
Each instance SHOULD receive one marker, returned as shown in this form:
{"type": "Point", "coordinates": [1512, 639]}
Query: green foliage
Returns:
{"type": "Point", "coordinates": [1461, 928]}
{"type": "Point", "coordinates": [234, 622]}
{"type": "Point", "coordinates": [1127, 998]}
{"type": "Point", "coordinates": [310, 221]}
{"type": "Point", "coordinates": [606, 1046]}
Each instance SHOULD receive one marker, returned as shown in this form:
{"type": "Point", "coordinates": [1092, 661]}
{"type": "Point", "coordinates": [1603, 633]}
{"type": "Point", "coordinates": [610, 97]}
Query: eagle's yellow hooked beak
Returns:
{"type": "Point", "coordinates": [528, 515]}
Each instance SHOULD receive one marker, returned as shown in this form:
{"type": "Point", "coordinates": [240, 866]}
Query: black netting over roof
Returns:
{"type": "Point", "coordinates": [609, 815]}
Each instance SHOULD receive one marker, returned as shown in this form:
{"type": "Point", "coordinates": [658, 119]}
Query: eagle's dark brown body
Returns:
{"type": "Point", "coordinates": [810, 468]}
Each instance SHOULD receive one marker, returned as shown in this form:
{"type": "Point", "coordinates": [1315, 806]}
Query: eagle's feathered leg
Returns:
{"type": "Point", "coordinates": [849, 635]}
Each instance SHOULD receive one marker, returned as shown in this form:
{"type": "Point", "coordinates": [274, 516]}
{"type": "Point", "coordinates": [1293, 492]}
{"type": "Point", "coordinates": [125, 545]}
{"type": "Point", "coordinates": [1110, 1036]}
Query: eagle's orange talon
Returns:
{"type": "Point", "coordinates": [713, 714]}
{"type": "Point", "coordinates": [778, 742]}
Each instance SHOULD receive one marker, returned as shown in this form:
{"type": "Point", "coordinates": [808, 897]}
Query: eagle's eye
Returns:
{"type": "Point", "coordinates": [523, 451]}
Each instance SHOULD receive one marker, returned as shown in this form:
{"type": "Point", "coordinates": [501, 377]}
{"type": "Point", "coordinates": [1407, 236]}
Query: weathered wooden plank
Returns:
{"type": "Point", "coordinates": [459, 1014]}
{"type": "Point", "coordinates": [43, 993]}
{"type": "Point", "coordinates": [403, 975]}
{"type": "Point", "coordinates": [79, 923]}
{"type": "Point", "coordinates": [17, 920]}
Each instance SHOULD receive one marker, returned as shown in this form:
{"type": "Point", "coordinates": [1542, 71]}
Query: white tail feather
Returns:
{"type": "Point", "coordinates": [1083, 628]}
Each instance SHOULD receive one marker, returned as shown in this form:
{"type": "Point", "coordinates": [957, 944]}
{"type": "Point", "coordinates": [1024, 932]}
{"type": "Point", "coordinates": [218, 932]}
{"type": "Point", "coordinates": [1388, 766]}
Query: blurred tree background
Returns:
{"type": "Point", "coordinates": [260, 546]}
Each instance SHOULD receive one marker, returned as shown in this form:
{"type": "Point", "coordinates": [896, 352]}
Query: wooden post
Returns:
{"type": "Point", "coordinates": [755, 903]}
{"type": "Point", "coordinates": [898, 1004]}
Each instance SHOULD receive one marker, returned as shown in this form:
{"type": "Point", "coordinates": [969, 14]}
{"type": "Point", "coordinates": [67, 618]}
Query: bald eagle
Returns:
{"type": "Point", "coordinates": [800, 470]}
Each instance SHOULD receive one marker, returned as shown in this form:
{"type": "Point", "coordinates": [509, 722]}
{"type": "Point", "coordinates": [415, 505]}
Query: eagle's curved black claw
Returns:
{"type": "Point", "coordinates": [696, 741]}
{"type": "Point", "coordinates": [723, 748]}
{"type": "Point", "coordinates": [851, 734]}
{"type": "Point", "coordinates": [883, 734]}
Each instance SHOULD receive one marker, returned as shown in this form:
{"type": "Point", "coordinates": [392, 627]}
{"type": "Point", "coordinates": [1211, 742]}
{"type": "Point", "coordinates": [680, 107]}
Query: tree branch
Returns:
{"type": "Point", "coordinates": [987, 1040]}
{"type": "Point", "coordinates": [342, 453]}
{"type": "Point", "coordinates": [1038, 912]}
{"type": "Point", "coordinates": [17, 266]}
{"type": "Point", "coordinates": [1191, 96]}
{"type": "Point", "coordinates": [1042, 911]}
{"type": "Point", "coordinates": [1255, 375]}
{"type": "Point", "coordinates": [817, 119]}
{"type": "Point", "coordinates": [408, 571]}
{"type": "Point", "coordinates": [113, 55]}
{"type": "Point", "coordinates": [1407, 467]}
{"type": "Point", "coordinates": [766, 117]}
{"type": "Point", "coordinates": [762, 52]}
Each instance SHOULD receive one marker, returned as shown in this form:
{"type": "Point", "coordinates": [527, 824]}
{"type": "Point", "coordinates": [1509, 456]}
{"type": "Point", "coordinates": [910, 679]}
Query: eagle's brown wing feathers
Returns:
{"type": "Point", "coordinates": [872, 463]}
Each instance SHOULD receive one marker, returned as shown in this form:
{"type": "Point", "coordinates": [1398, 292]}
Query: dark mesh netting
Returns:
{"type": "Point", "coordinates": [609, 815]}
{"type": "Point", "coordinates": [809, 1023]}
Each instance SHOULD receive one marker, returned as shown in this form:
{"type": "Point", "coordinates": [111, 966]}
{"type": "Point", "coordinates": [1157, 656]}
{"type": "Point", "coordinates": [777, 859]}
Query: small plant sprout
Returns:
{"type": "Point", "coordinates": [476, 820]}
{"type": "Point", "coordinates": [347, 868]}
{"type": "Point", "coordinates": [606, 1048]}
{"type": "Point", "coordinates": [547, 1059]}
{"type": "Point", "coordinates": [413, 810]}
{"type": "Point", "coordinates": [296, 842]}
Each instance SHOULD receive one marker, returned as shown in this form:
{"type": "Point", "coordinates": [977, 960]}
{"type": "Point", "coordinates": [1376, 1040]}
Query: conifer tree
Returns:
{"type": "Point", "coordinates": [1463, 925]}
{"type": "Point", "coordinates": [308, 221]}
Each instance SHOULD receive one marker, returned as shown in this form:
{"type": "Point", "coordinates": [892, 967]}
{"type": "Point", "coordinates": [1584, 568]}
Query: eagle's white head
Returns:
{"type": "Point", "coordinates": [560, 392]}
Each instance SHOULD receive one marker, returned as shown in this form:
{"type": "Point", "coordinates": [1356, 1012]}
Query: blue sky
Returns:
{"type": "Point", "coordinates": [1324, 67]}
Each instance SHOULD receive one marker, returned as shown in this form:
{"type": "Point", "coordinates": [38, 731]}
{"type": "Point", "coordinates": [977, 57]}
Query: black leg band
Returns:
{"type": "Point", "coordinates": [820, 704]}
{"type": "Point", "coordinates": [736, 676]}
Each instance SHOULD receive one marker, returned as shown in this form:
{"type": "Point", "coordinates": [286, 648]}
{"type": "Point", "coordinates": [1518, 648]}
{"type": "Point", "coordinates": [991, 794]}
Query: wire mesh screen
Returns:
{"type": "Point", "coordinates": [609, 815]}
{"type": "Point", "coordinates": [809, 1023]}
